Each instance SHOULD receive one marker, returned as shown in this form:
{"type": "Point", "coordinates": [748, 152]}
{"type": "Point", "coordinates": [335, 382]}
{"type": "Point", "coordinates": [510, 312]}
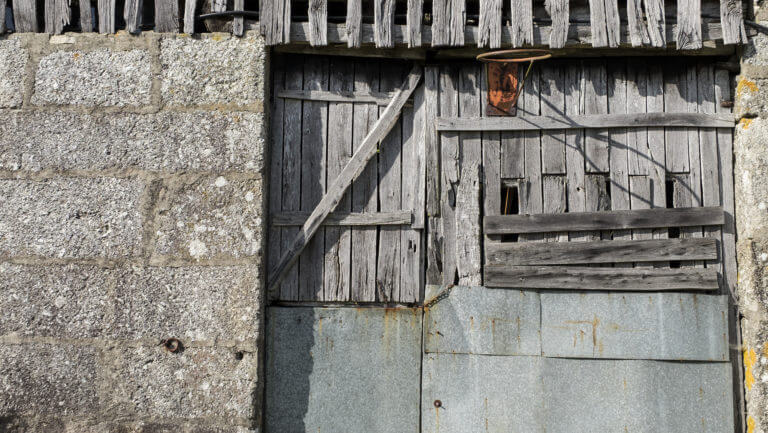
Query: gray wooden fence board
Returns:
{"type": "Point", "coordinates": [553, 104]}
{"type": "Point", "coordinates": [664, 326]}
{"type": "Point", "coordinates": [25, 15]}
{"type": "Point", "coordinates": [531, 195]}
{"type": "Point", "coordinates": [106, 9]}
{"type": "Point", "coordinates": [555, 201]}
{"type": "Point", "coordinates": [521, 22]}
{"type": "Point", "coordinates": [167, 16]}
{"type": "Point", "coordinates": [725, 147]}
{"type": "Point", "coordinates": [275, 21]}
{"type": "Point", "coordinates": [590, 278]}
{"type": "Point", "coordinates": [710, 160]}
{"type": "Point", "coordinates": [638, 32]}
{"type": "Point", "coordinates": [489, 26]}
{"type": "Point", "coordinates": [3, 10]}
{"type": "Point", "coordinates": [384, 23]}
{"type": "Point", "coordinates": [448, 22]}
{"type": "Point", "coordinates": [568, 253]}
{"type": "Point", "coordinates": [238, 21]}
{"type": "Point", "coordinates": [732, 20]}
{"type": "Point", "coordinates": [189, 15]}
{"type": "Point", "coordinates": [449, 157]}
{"type": "Point", "coordinates": [597, 21]}
{"type": "Point", "coordinates": [676, 140]}
{"type": "Point", "coordinates": [657, 147]}
{"type": "Point", "coordinates": [274, 243]}
{"type": "Point", "coordinates": [656, 21]}
{"type": "Point", "coordinates": [618, 145]}
{"type": "Point", "coordinates": [132, 13]}
{"type": "Point", "coordinates": [574, 149]}
{"type": "Point", "coordinates": [688, 31]}
{"type": "Point", "coordinates": [318, 22]}
{"type": "Point", "coordinates": [346, 218]}
{"type": "Point", "coordinates": [612, 22]}
{"type": "Point", "coordinates": [57, 15]}
{"type": "Point", "coordinates": [559, 13]}
{"type": "Point", "coordinates": [354, 23]}
{"type": "Point", "coordinates": [413, 23]}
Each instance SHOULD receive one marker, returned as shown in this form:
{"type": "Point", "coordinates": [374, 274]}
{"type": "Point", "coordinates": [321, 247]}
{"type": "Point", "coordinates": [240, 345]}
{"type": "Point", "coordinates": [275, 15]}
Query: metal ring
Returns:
{"type": "Point", "coordinates": [532, 55]}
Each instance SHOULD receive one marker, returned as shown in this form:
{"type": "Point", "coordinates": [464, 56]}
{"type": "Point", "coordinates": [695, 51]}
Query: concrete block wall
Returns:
{"type": "Point", "coordinates": [131, 211]}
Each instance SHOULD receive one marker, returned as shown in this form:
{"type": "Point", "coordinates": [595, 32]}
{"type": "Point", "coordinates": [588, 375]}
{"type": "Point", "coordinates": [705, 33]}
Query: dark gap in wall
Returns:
{"type": "Point", "coordinates": [119, 16]}
{"type": "Point", "coordinates": [40, 15]}
{"type": "Point", "coordinates": [473, 12]}
{"type": "Point", "coordinates": [148, 16]}
{"type": "Point", "coordinates": [673, 232]}
{"type": "Point", "coordinates": [510, 204]}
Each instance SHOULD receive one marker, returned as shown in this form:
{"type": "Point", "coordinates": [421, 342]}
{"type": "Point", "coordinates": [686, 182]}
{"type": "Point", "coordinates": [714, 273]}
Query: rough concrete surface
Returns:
{"type": "Point", "coordinates": [13, 61]}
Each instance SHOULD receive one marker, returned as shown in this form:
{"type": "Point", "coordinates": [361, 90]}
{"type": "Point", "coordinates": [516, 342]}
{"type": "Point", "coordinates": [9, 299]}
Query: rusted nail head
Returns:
{"type": "Point", "coordinates": [438, 403]}
{"type": "Point", "coordinates": [172, 344]}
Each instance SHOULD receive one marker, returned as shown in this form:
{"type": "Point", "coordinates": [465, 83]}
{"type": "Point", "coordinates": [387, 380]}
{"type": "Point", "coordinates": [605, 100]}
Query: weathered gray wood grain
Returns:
{"type": "Point", "coordinates": [583, 278]}
{"type": "Point", "coordinates": [725, 147]}
{"type": "Point", "coordinates": [732, 20]}
{"type": "Point", "coordinates": [448, 22]}
{"type": "Point", "coordinates": [573, 253]}
{"type": "Point", "coordinates": [365, 188]}
{"type": "Point", "coordinates": [434, 224]}
{"type": "Point", "coordinates": [354, 23]}
{"type": "Point", "coordinates": [132, 13]}
{"type": "Point", "coordinates": [612, 23]}
{"type": "Point", "coordinates": [57, 15]}
{"type": "Point", "coordinates": [189, 16]}
{"type": "Point", "coordinates": [346, 218]}
{"type": "Point", "coordinates": [378, 98]}
{"type": "Point", "coordinates": [555, 202]}
{"type": "Point", "coordinates": [337, 268]}
{"type": "Point", "coordinates": [675, 100]}
{"type": "Point", "coordinates": [521, 22]}
{"type": "Point", "coordinates": [167, 16]}
{"type": "Point", "coordinates": [277, 118]}
{"type": "Point", "coordinates": [656, 22]}
{"type": "Point", "coordinates": [3, 4]}
{"type": "Point", "coordinates": [596, 102]}
{"type": "Point", "coordinates": [710, 160]}
{"type": "Point", "coordinates": [491, 173]}
{"type": "Point", "coordinates": [638, 150]}
{"type": "Point", "coordinates": [355, 166]}
{"type": "Point", "coordinates": [531, 197]}
{"type": "Point", "coordinates": [384, 23]}
{"type": "Point", "coordinates": [693, 186]}
{"type": "Point", "coordinates": [238, 21]}
{"type": "Point", "coordinates": [25, 16]}
{"type": "Point", "coordinates": [559, 13]}
{"type": "Point", "coordinates": [618, 145]}
{"type": "Point", "coordinates": [610, 220]}
{"type": "Point", "coordinates": [552, 104]}
{"type": "Point", "coordinates": [314, 133]}
{"type": "Point", "coordinates": [106, 9]}
{"type": "Point", "coordinates": [450, 174]}
{"type": "Point", "coordinates": [640, 199]}
{"type": "Point", "coordinates": [318, 22]}
{"type": "Point", "coordinates": [638, 32]}
{"type": "Point", "coordinates": [596, 194]}
{"type": "Point", "coordinates": [598, 24]}
{"type": "Point", "coordinates": [574, 149]}
{"type": "Point", "coordinates": [656, 146]}
{"type": "Point", "coordinates": [413, 23]}
{"type": "Point", "coordinates": [688, 34]}
{"type": "Point", "coordinates": [489, 26]}
{"type": "Point", "coordinates": [275, 21]}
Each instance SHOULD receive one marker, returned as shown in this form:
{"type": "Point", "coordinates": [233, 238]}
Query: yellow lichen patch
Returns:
{"type": "Point", "coordinates": [745, 122]}
{"type": "Point", "coordinates": [746, 85]}
{"type": "Point", "coordinates": [750, 425]}
{"type": "Point", "coordinates": [750, 358]}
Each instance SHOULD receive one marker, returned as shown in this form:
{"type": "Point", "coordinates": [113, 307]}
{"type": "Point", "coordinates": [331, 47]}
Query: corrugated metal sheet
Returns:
{"type": "Point", "coordinates": [484, 321]}
{"type": "Point", "coordinates": [333, 370]}
{"type": "Point", "coordinates": [675, 326]}
{"type": "Point", "coordinates": [479, 393]}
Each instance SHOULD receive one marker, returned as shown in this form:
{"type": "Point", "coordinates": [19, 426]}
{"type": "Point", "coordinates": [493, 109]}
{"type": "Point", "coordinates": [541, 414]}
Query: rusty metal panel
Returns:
{"type": "Point", "coordinates": [480, 393]}
{"type": "Point", "coordinates": [335, 370]}
{"type": "Point", "coordinates": [672, 326]}
{"type": "Point", "coordinates": [484, 321]}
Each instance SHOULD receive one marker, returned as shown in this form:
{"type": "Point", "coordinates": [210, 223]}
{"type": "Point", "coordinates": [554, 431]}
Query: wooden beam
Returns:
{"type": "Point", "coordinates": [731, 18]}
{"type": "Point", "coordinates": [189, 16]}
{"type": "Point", "coordinates": [583, 278]}
{"type": "Point", "coordinates": [384, 23]}
{"type": "Point", "coordinates": [601, 121]}
{"type": "Point", "coordinates": [57, 15]}
{"type": "Point", "coordinates": [318, 22]}
{"type": "Point", "coordinates": [25, 15]}
{"type": "Point", "coordinates": [611, 220]}
{"type": "Point", "coordinates": [688, 34]}
{"type": "Point", "coordinates": [106, 10]}
{"type": "Point", "coordinates": [575, 253]}
{"type": "Point", "coordinates": [238, 22]}
{"type": "Point", "coordinates": [132, 13]}
{"type": "Point", "coordinates": [367, 150]}
{"type": "Point", "coordinates": [346, 218]}
{"type": "Point", "coordinates": [379, 98]}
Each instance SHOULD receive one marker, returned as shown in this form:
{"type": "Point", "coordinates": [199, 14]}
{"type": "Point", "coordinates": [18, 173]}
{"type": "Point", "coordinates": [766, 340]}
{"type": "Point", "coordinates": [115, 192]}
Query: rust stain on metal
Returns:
{"type": "Point", "coordinates": [503, 90]}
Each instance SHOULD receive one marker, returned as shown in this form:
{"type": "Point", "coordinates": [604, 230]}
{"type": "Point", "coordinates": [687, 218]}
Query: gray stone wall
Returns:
{"type": "Point", "coordinates": [131, 211]}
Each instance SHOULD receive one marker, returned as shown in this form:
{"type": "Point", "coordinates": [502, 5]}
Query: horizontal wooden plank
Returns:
{"type": "Point", "coordinates": [346, 218]}
{"type": "Point", "coordinates": [611, 220]}
{"type": "Point", "coordinates": [379, 98]}
{"type": "Point", "coordinates": [577, 253]}
{"type": "Point", "coordinates": [584, 278]}
{"type": "Point", "coordinates": [602, 121]}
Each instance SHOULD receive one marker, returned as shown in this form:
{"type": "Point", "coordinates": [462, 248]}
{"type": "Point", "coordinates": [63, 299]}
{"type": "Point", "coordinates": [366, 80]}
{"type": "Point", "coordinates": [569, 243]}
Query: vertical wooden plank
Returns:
{"type": "Point", "coordinates": [411, 238]}
{"type": "Point", "coordinates": [133, 11]}
{"type": "Point", "coordinates": [559, 13]}
{"type": "Point", "coordinates": [710, 170]}
{"type": "Point", "coordinates": [338, 240]}
{"type": "Point", "coordinates": [449, 165]}
{"type": "Point", "coordinates": [318, 22]}
{"type": "Point", "coordinates": [3, 4]}
{"type": "Point", "coordinates": [291, 181]}
{"type": "Point", "coordinates": [658, 170]}
{"type": "Point", "coordinates": [552, 103]}
{"type": "Point", "coordinates": [693, 188]}
{"type": "Point", "coordinates": [491, 164]}
{"type": "Point", "coordinates": [106, 10]}
{"type": "Point", "coordinates": [57, 15]}
{"type": "Point", "coordinates": [390, 197]}
{"type": "Point", "coordinates": [275, 21]}
{"type": "Point", "coordinates": [638, 151]}
{"type": "Point", "coordinates": [619, 175]}
{"type": "Point", "coordinates": [277, 118]}
{"type": "Point", "coordinates": [574, 149]}
{"type": "Point", "coordinates": [612, 23]}
{"type": "Point", "coordinates": [688, 30]}
{"type": "Point", "coordinates": [448, 22]}
{"type": "Point", "coordinates": [597, 199]}
{"type": "Point", "coordinates": [597, 23]}
{"type": "Point", "coordinates": [656, 22]}
{"type": "Point", "coordinates": [596, 102]}
{"type": "Point", "coordinates": [725, 147]}
{"type": "Point", "coordinates": [413, 23]}
{"type": "Point", "coordinates": [555, 201]}
{"type": "Point", "coordinates": [189, 16]}
{"type": "Point", "coordinates": [641, 198]}
{"type": "Point", "coordinates": [489, 26]}
{"type": "Point", "coordinates": [364, 188]}
{"type": "Point", "coordinates": [238, 21]}
{"type": "Point", "coordinates": [384, 23]}
{"type": "Point", "coordinates": [638, 32]}
{"type": "Point", "coordinates": [467, 211]}
{"type": "Point", "coordinates": [676, 139]}
{"type": "Point", "coordinates": [521, 22]}
{"type": "Point", "coordinates": [167, 16]}
{"type": "Point", "coordinates": [25, 15]}
{"type": "Point", "coordinates": [354, 23]}
{"type": "Point", "coordinates": [432, 149]}
{"type": "Point", "coordinates": [314, 126]}
{"type": "Point", "coordinates": [531, 200]}
{"type": "Point", "coordinates": [732, 22]}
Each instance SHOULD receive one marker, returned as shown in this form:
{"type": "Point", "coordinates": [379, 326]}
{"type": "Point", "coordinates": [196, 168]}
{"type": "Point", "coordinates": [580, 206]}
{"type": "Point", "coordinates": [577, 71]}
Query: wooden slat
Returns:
{"type": "Point", "coordinates": [603, 121]}
{"type": "Point", "coordinates": [574, 150]}
{"type": "Point", "coordinates": [656, 22]}
{"type": "Point", "coordinates": [318, 22]}
{"type": "Point", "coordinates": [354, 23]}
{"type": "Point", "coordinates": [275, 25]}
{"type": "Point", "coordinates": [189, 16]}
{"type": "Point", "coordinates": [531, 196]}
{"type": "Point", "coordinates": [57, 15]}
{"type": "Point", "coordinates": [688, 34]}
{"type": "Point", "coordinates": [449, 178]}
{"type": "Point", "coordinates": [521, 22]}
{"type": "Point", "coordinates": [555, 202]}
{"type": "Point", "coordinates": [597, 21]}
{"type": "Point", "coordinates": [3, 4]}
{"type": "Point", "coordinates": [355, 166]}
{"type": "Point", "coordinates": [612, 220]}
{"type": "Point", "coordinates": [638, 32]}
{"type": "Point", "coordinates": [106, 9]}
{"type": "Point", "coordinates": [489, 26]}
{"type": "Point", "coordinates": [413, 23]}
{"type": "Point", "coordinates": [448, 22]}
{"type": "Point", "coordinates": [25, 15]}
{"type": "Point", "coordinates": [675, 100]}
{"type": "Point", "coordinates": [618, 145]}
{"type": "Point", "coordinates": [725, 148]}
{"type": "Point", "coordinates": [559, 13]}
{"type": "Point", "coordinates": [346, 218]}
{"type": "Point", "coordinates": [553, 104]}
{"type": "Point", "coordinates": [656, 148]}
{"type": "Point", "coordinates": [384, 23]}
{"type": "Point", "coordinates": [274, 241]}
{"type": "Point", "coordinates": [583, 278]}
{"type": "Point", "coordinates": [379, 98]}
{"type": "Point", "coordinates": [596, 102]}
{"type": "Point", "coordinates": [491, 166]}
{"type": "Point", "coordinates": [732, 21]}
{"type": "Point", "coordinates": [132, 14]}
{"type": "Point", "coordinates": [574, 253]}
{"type": "Point", "coordinates": [431, 145]}
{"type": "Point", "coordinates": [710, 161]}
{"type": "Point", "coordinates": [238, 21]}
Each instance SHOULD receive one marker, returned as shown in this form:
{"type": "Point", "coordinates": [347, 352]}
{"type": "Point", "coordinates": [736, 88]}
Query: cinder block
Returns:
{"type": "Point", "coordinates": [215, 69]}
{"type": "Point", "coordinates": [166, 141]}
{"type": "Point", "coordinates": [211, 217]}
{"type": "Point", "coordinates": [42, 379]}
{"type": "Point", "coordinates": [13, 62]}
{"type": "Point", "coordinates": [71, 218]}
{"type": "Point", "coordinates": [98, 78]}
{"type": "Point", "coordinates": [196, 383]}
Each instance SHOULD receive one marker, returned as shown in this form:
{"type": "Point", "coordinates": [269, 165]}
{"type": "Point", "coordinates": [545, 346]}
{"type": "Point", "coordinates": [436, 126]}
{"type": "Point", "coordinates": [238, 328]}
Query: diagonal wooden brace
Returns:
{"type": "Point", "coordinates": [351, 171]}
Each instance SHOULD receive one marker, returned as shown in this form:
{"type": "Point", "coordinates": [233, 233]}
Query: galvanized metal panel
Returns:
{"type": "Point", "coordinates": [480, 393]}
{"type": "Point", "coordinates": [335, 370]}
{"type": "Point", "coordinates": [673, 326]}
{"type": "Point", "coordinates": [484, 321]}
